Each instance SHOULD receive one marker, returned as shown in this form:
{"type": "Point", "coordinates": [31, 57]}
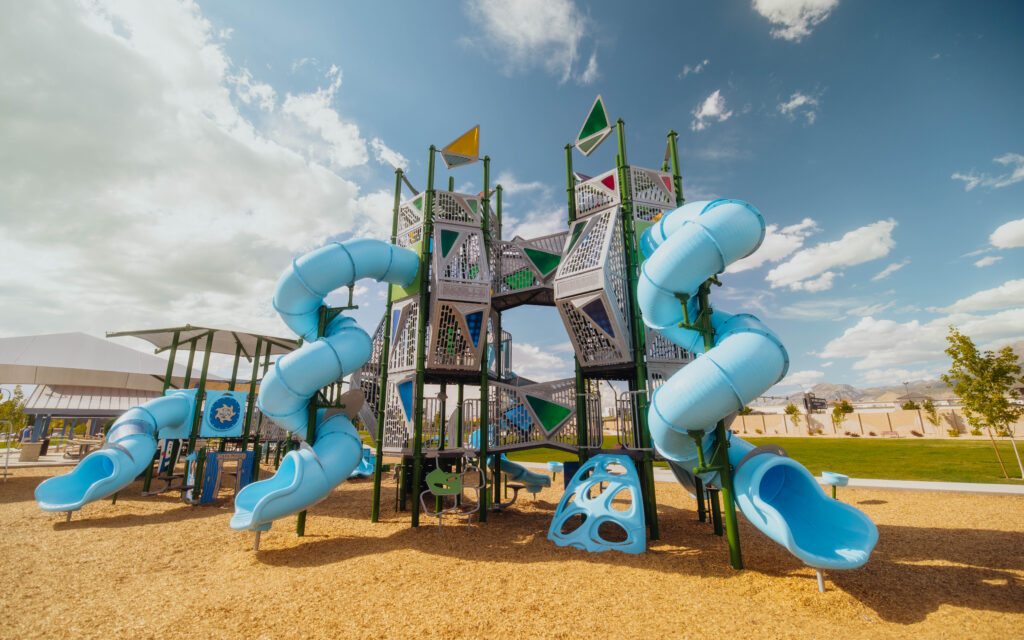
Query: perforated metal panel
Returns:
{"type": "Point", "coordinates": [403, 335]}
{"type": "Point", "coordinates": [397, 427]}
{"type": "Point", "coordinates": [651, 187]}
{"type": "Point", "coordinates": [456, 208]}
{"type": "Point", "coordinates": [597, 341]}
{"type": "Point", "coordinates": [456, 336]}
{"type": "Point", "coordinates": [460, 270]}
{"type": "Point", "coordinates": [597, 193]}
{"type": "Point", "coordinates": [660, 349]}
{"type": "Point", "coordinates": [585, 256]}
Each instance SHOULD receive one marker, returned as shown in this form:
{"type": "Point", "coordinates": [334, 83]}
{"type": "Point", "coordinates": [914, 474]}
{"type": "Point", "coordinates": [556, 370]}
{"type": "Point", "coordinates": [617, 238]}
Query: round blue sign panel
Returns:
{"type": "Point", "coordinates": [224, 413]}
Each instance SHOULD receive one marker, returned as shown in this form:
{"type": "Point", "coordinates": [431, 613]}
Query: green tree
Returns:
{"type": "Point", "coordinates": [13, 410]}
{"type": "Point", "coordinates": [910, 405]}
{"type": "Point", "coordinates": [983, 381]}
{"type": "Point", "coordinates": [794, 413]}
{"type": "Point", "coordinates": [745, 411]}
{"type": "Point", "coordinates": [930, 412]}
{"type": "Point", "coordinates": [839, 413]}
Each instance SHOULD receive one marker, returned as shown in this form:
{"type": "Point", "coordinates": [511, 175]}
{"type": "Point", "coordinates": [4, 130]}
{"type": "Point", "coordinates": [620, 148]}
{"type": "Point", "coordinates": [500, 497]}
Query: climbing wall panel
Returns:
{"type": "Point", "coordinates": [403, 335]}
{"type": "Point", "coordinates": [456, 336]}
{"type": "Point", "coordinates": [460, 269]}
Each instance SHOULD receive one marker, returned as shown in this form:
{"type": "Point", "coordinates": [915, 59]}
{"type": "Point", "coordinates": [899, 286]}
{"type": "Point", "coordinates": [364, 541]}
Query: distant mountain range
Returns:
{"type": "Point", "coordinates": [935, 389]}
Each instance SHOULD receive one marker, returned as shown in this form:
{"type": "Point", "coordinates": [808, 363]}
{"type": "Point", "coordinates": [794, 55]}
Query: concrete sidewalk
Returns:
{"type": "Point", "coordinates": [664, 475]}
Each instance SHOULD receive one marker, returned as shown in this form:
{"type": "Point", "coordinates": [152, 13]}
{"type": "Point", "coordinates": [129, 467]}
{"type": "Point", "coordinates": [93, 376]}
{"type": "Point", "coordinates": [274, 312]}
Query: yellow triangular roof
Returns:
{"type": "Point", "coordinates": [468, 144]}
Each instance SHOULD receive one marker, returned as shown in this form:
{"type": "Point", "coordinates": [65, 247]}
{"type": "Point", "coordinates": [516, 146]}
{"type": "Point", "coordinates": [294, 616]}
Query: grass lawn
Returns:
{"type": "Point", "coordinates": [902, 459]}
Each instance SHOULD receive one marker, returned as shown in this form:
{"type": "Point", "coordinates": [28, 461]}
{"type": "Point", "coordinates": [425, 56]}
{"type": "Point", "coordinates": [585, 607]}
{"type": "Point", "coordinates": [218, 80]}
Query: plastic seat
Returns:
{"type": "Point", "coordinates": [449, 489]}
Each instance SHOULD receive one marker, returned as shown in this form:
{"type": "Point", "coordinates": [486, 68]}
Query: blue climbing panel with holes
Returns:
{"type": "Point", "coordinates": [601, 508]}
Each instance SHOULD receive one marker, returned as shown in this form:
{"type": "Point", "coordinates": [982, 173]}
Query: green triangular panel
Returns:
{"type": "Point", "coordinates": [452, 160]}
{"type": "Point", "coordinates": [418, 203]}
{"type": "Point", "coordinates": [576, 231]}
{"type": "Point", "coordinates": [448, 239]}
{"type": "Point", "coordinates": [550, 414]}
{"type": "Point", "coordinates": [520, 279]}
{"type": "Point", "coordinates": [545, 262]}
{"type": "Point", "coordinates": [587, 145]}
{"type": "Point", "coordinates": [472, 204]}
{"type": "Point", "coordinates": [596, 120]}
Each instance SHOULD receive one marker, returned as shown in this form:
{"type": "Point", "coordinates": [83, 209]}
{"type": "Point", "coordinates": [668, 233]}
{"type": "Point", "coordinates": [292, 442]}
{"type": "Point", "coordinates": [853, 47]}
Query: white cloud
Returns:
{"type": "Point", "coordinates": [1006, 295]}
{"type": "Point", "coordinates": [528, 33]}
{"type": "Point", "coordinates": [385, 155]}
{"type": "Point", "coordinates": [712, 109]}
{"type": "Point", "coordinates": [800, 104]}
{"type": "Point", "coordinates": [778, 244]}
{"type": "Point", "coordinates": [810, 269]}
{"type": "Point", "coordinates": [1008, 235]}
{"type": "Point", "coordinates": [885, 343]}
{"type": "Point", "coordinates": [897, 376]}
{"type": "Point", "coordinates": [544, 215]}
{"type": "Point", "coordinates": [987, 261]}
{"type": "Point", "coordinates": [694, 69]}
{"type": "Point", "coordinates": [792, 19]}
{"type": "Point", "coordinates": [973, 179]}
{"type": "Point", "coordinates": [801, 378]}
{"type": "Point", "coordinates": [540, 364]}
{"type": "Point", "coordinates": [888, 271]}
{"type": "Point", "coordinates": [590, 73]}
{"type": "Point", "coordinates": [136, 193]}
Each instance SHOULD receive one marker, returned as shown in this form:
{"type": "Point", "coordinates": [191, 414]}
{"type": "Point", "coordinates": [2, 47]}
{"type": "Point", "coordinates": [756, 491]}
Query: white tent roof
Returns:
{"type": "Point", "coordinates": [82, 402]}
{"type": "Point", "coordinates": [79, 359]}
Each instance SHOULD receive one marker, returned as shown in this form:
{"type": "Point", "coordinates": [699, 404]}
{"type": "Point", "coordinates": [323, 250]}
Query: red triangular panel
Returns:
{"type": "Point", "coordinates": [668, 183]}
{"type": "Point", "coordinates": [609, 182]}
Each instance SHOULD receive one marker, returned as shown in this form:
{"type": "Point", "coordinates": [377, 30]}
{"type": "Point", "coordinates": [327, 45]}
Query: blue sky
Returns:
{"type": "Point", "coordinates": [164, 160]}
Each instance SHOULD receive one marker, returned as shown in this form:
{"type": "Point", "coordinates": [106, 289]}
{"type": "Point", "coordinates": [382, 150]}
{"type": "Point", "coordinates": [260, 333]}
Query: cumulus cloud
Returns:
{"type": "Point", "coordinates": [386, 155]}
{"type": "Point", "coordinates": [886, 343]}
{"type": "Point", "coordinates": [811, 269]}
{"type": "Point", "coordinates": [888, 271]}
{"type": "Point", "coordinates": [800, 104]}
{"type": "Point", "coordinates": [987, 261]}
{"type": "Point", "coordinates": [542, 215]}
{"type": "Point", "coordinates": [1009, 235]}
{"type": "Point", "coordinates": [1006, 295]}
{"type": "Point", "coordinates": [711, 110]}
{"type": "Point", "coordinates": [895, 376]}
{"type": "Point", "coordinates": [972, 178]}
{"type": "Point", "coordinates": [778, 244]}
{"type": "Point", "coordinates": [136, 192]}
{"type": "Point", "coordinates": [534, 33]}
{"type": "Point", "coordinates": [694, 69]}
{"type": "Point", "coordinates": [801, 378]}
{"type": "Point", "coordinates": [542, 364]}
{"type": "Point", "coordinates": [793, 19]}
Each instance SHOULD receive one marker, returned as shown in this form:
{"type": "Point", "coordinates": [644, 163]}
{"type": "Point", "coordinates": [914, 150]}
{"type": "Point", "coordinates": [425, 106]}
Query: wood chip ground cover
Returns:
{"type": "Point", "coordinates": [945, 566]}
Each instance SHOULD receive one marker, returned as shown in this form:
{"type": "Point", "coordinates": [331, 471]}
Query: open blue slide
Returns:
{"type": "Point", "coordinates": [308, 474]}
{"type": "Point", "coordinates": [130, 445]}
{"type": "Point", "coordinates": [518, 473]}
{"type": "Point", "coordinates": [776, 494]}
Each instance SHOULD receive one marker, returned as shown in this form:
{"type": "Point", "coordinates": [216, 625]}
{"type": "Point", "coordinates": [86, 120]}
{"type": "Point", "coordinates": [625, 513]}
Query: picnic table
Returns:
{"type": "Point", "coordinates": [81, 447]}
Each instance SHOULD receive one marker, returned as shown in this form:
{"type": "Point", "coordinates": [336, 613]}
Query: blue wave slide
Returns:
{"type": "Point", "coordinates": [308, 474]}
{"type": "Point", "coordinates": [775, 493]}
{"type": "Point", "coordinates": [534, 482]}
{"type": "Point", "coordinates": [130, 446]}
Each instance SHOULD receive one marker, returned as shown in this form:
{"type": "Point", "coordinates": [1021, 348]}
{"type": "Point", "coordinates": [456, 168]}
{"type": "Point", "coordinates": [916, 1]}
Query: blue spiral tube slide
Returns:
{"type": "Point", "coordinates": [308, 474]}
{"type": "Point", "coordinates": [776, 494]}
{"type": "Point", "coordinates": [129, 449]}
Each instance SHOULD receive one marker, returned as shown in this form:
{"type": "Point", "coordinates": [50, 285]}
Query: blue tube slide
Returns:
{"type": "Point", "coordinates": [130, 445]}
{"type": "Point", "coordinates": [518, 473]}
{"type": "Point", "coordinates": [308, 474]}
{"type": "Point", "coordinates": [778, 495]}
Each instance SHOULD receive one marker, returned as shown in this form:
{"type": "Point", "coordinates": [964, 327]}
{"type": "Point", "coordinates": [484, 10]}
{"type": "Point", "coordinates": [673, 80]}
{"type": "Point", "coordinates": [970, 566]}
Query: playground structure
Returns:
{"type": "Point", "coordinates": [631, 279]}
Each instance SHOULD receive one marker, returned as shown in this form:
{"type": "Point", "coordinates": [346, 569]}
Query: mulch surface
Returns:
{"type": "Point", "coordinates": [945, 566]}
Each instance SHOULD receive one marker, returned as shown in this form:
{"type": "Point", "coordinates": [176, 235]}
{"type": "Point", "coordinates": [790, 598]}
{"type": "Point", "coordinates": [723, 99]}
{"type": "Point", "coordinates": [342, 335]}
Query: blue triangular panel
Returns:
{"type": "Point", "coordinates": [595, 309]}
{"type": "Point", "coordinates": [395, 315]}
{"type": "Point", "coordinates": [405, 393]}
{"type": "Point", "coordinates": [474, 321]}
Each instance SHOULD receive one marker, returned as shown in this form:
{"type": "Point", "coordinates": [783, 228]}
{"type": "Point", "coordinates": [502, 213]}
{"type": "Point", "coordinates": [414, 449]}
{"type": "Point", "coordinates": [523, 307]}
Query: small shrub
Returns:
{"type": "Point", "coordinates": [909, 405]}
{"type": "Point", "coordinates": [953, 433]}
{"type": "Point", "coordinates": [916, 434]}
{"type": "Point", "coordinates": [871, 433]}
{"type": "Point", "coordinates": [1003, 433]}
{"type": "Point", "coordinates": [854, 435]}
{"type": "Point", "coordinates": [975, 432]}
{"type": "Point", "coordinates": [757, 431]}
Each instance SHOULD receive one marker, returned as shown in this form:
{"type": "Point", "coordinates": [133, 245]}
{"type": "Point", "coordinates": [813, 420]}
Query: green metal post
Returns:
{"type": "Point", "coordinates": [191, 361]}
{"type": "Point", "coordinates": [677, 178]}
{"type": "Point", "coordinates": [444, 412]}
{"type": "Point", "coordinates": [251, 399]}
{"type": "Point", "coordinates": [581, 392]}
{"type": "Point", "coordinates": [201, 394]}
{"type": "Point", "coordinates": [382, 395]}
{"type": "Point", "coordinates": [484, 382]}
{"type": "Point", "coordinates": [234, 369]}
{"type": "Point", "coordinates": [421, 334]}
{"type": "Point", "coordinates": [458, 426]}
{"type": "Point", "coordinates": [148, 479]}
{"type": "Point", "coordinates": [300, 524]}
{"type": "Point", "coordinates": [720, 457]}
{"type": "Point", "coordinates": [639, 383]}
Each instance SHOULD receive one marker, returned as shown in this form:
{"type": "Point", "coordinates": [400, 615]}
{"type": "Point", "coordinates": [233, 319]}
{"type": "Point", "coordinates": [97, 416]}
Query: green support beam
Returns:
{"type": "Point", "coordinates": [300, 523]}
{"type": "Point", "coordinates": [485, 418]}
{"type": "Point", "coordinates": [421, 334]}
{"type": "Point", "coordinates": [251, 398]}
{"type": "Point", "coordinates": [581, 392]}
{"type": "Point", "coordinates": [639, 382]}
{"type": "Point", "coordinates": [382, 395]}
